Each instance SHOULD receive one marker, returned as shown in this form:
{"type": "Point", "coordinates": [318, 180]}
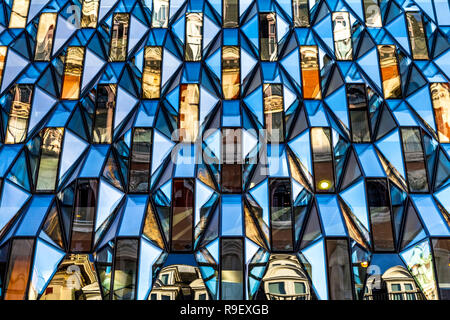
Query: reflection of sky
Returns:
{"type": "Point", "coordinates": [187, 259]}
{"type": "Point", "coordinates": [385, 261]}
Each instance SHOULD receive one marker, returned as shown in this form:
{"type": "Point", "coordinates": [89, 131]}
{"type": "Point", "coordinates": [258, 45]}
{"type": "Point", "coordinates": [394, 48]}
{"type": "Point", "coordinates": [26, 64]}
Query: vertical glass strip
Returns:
{"type": "Point", "coordinates": [141, 148]}
{"type": "Point", "coordinates": [359, 113]}
{"type": "Point", "coordinates": [44, 36]}
{"type": "Point", "coordinates": [194, 36]}
{"type": "Point", "coordinates": [3, 51]}
{"type": "Point", "coordinates": [119, 37]}
{"type": "Point", "coordinates": [189, 109]}
{"type": "Point", "coordinates": [440, 96]}
{"type": "Point", "coordinates": [339, 274]}
{"type": "Point", "coordinates": [48, 164]}
{"type": "Point", "coordinates": [230, 13]}
{"type": "Point", "coordinates": [125, 269]}
{"type": "Point", "coordinates": [72, 73]}
{"type": "Point", "coordinates": [373, 14]}
{"type": "Point", "coordinates": [230, 72]}
{"type": "Point", "coordinates": [441, 250]}
{"type": "Point", "coordinates": [390, 75]}
{"type": "Point", "coordinates": [104, 113]}
{"type": "Point", "coordinates": [417, 37]}
{"type": "Point", "coordinates": [322, 159]}
{"type": "Point", "coordinates": [281, 214]}
{"type": "Point", "coordinates": [231, 173]}
{"type": "Point", "coordinates": [19, 114]}
{"type": "Point", "coordinates": [310, 72]}
{"type": "Point", "coordinates": [232, 269]}
{"type": "Point", "coordinates": [342, 36]}
{"type": "Point", "coordinates": [84, 215]}
{"type": "Point", "coordinates": [151, 76]}
{"type": "Point", "coordinates": [19, 14]}
{"type": "Point", "coordinates": [89, 13]}
{"type": "Point", "coordinates": [300, 13]}
{"type": "Point", "coordinates": [273, 112]}
{"type": "Point", "coordinates": [380, 214]}
{"type": "Point", "coordinates": [182, 214]}
{"type": "Point", "coordinates": [414, 160]}
{"type": "Point", "coordinates": [268, 44]}
{"type": "Point", "coordinates": [160, 14]}
{"type": "Point", "coordinates": [19, 269]}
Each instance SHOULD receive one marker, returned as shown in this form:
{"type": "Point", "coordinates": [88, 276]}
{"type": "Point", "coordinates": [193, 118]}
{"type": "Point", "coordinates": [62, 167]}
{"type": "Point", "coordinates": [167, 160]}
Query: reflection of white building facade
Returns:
{"type": "Point", "coordinates": [285, 279]}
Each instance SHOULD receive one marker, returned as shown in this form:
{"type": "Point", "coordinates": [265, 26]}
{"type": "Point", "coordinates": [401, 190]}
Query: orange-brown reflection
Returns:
{"type": "Point", "coordinates": [119, 37]}
{"type": "Point", "coordinates": [44, 36]}
{"type": "Point", "coordinates": [3, 50]}
{"type": "Point", "coordinates": [440, 95]}
{"type": "Point", "coordinates": [151, 76]}
{"type": "Point", "coordinates": [389, 72]}
{"type": "Point", "coordinates": [89, 13]}
{"type": "Point", "coordinates": [189, 109]}
{"type": "Point", "coordinates": [19, 269]}
{"type": "Point", "coordinates": [72, 73]}
{"type": "Point", "coordinates": [230, 72]}
{"type": "Point", "coordinates": [310, 72]}
{"type": "Point", "coordinates": [19, 114]}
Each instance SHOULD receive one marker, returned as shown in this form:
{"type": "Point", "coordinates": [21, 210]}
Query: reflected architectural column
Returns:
{"type": "Point", "coordinates": [232, 268]}
{"type": "Point", "coordinates": [104, 113]}
{"type": "Point", "coordinates": [322, 157]}
{"type": "Point", "coordinates": [20, 108]}
{"type": "Point", "coordinates": [268, 43]}
{"type": "Point", "coordinates": [44, 36]}
{"type": "Point", "coordinates": [281, 218]}
{"type": "Point", "coordinates": [182, 219]}
{"type": "Point", "coordinates": [194, 36]}
{"type": "Point", "coordinates": [119, 37]}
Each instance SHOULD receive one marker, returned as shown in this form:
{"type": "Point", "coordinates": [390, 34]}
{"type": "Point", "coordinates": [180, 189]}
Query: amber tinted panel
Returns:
{"type": "Point", "coordinates": [72, 73]}
{"type": "Point", "coordinates": [19, 113]}
{"type": "Point", "coordinates": [119, 37]}
{"type": "Point", "coordinates": [273, 112]}
{"type": "Point", "coordinates": [342, 36]}
{"type": "Point", "coordinates": [322, 159]}
{"type": "Point", "coordinates": [268, 45]}
{"type": "Point", "coordinates": [151, 76]}
{"type": "Point", "coordinates": [188, 114]}
{"type": "Point", "coordinates": [417, 37]}
{"type": "Point", "coordinates": [310, 72]}
{"type": "Point", "coordinates": [230, 13]}
{"type": "Point", "coordinates": [300, 10]}
{"type": "Point", "coordinates": [232, 272]}
{"type": "Point", "coordinates": [19, 269]}
{"type": "Point", "coordinates": [281, 214]}
{"type": "Point", "coordinates": [3, 51]}
{"type": "Point", "coordinates": [89, 13]}
{"type": "Point", "coordinates": [182, 214]}
{"type": "Point", "coordinates": [339, 276]}
{"type": "Point", "coordinates": [48, 164]}
{"type": "Point", "coordinates": [140, 159]}
{"type": "Point", "coordinates": [414, 160]}
{"type": "Point", "coordinates": [230, 72]}
{"type": "Point", "coordinates": [104, 113]}
{"type": "Point", "coordinates": [44, 36]}
{"type": "Point", "coordinates": [19, 14]}
{"type": "Point", "coordinates": [194, 32]}
{"type": "Point", "coordinates": [389, 72]}
{"type": "Point", "coordinates": [440, 95]}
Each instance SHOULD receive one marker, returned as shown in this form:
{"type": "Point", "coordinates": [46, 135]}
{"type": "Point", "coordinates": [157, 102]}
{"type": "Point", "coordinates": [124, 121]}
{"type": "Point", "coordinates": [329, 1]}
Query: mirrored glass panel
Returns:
{"type": "Point", "coordinates": [19, 268]}
{"type": "Point", "coordinates": [189, 112]}
{"type": "Point", "coordinates": [414, 160]}
{"type": "Point", "coordinates": [417, 37]}
{"type": "Point", "coordinates": [160, 15]}
{"type": "Point", "coordinates": [231, 177]}
{"type": "Point", "coordinates": [194, 36]}
{"type": "Point", "coordinates": [119, 37]}
{"type": "Point", "coordinates": [372, 14]}
{"type": "Point", "coordinates": [141, 148]}
{"type": "Point", "coordinates": [73, 70]}
{"type": "Point", "coordinates": [44, 36]}
{"type": "Point", "coordinates": [342, 36]}
{"type": "Point", "coordinates": [310, 72]}
{"type": "Point", "coordinates": [232, 272]}
{"type": "Point", "coordinates": [230, 72]}
{"type": "Point", "coordinates": [182, 222]}
{"type": "Point", "coordinates": [359, 115]}
{"type": "Point", "coordinates": [322, 159]}
{"type": "Point", "coordinates": [48, 164]}
{"type": "Point", "coordinates": [19, 13]}
{"type": "Point", "coordinates": [16, 131]}
{"type": "Point", "coordinates": [230, 13]}
{"type": "Point", "coordinates": [104, 113]}
{"type": "Point", "coordinates": [151, 75]}
{"type": "Point", "coordinates": [440, 96]}
{"type": "Point", "coordinates": [300, 13]}
{"type": "Point", "coordinates": [268, 43]}
{"type": "Point", "coordinates": [125, 269]}
{"type": "Point", "coordinates": [281, 214]}
{"type": "Point", "coordinates": [273, 112]}
{"type": "Point", "coordinates": [89, 13]}
{"type": "Point", "coordinates": [390, 75]}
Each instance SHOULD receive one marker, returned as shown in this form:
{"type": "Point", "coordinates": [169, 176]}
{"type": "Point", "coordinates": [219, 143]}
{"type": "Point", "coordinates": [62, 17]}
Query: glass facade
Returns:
{"type": "Point", "coordinates": [224, 150]}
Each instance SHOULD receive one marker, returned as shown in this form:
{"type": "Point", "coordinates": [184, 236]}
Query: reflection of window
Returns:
{"type": "Point", "coordinates": [277, 287]}
{"type": "Point", "coordinates": [165, 278]}
{"type": "Point", "coordinates": [194, 27]}
{"type": "Point", "coordinates": [268, 36]}
{"type": "Point", "coordinates": [202, 296]}
{"type": "Point", "coordinates": [164, 297]}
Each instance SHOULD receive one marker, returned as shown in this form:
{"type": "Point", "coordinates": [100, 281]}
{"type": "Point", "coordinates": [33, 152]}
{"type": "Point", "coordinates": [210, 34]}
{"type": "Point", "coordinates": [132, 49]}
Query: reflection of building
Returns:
{"type": "Point", "coordinates": [285, 279]}
{"type": "Point", "coordinates": [395, 284]}
{"type": "Point", "coordinates": [179, 282]}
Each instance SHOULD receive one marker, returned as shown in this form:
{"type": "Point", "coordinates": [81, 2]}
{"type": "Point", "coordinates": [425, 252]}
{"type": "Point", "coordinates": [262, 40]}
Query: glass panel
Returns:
{"type": "Point", "coordinates": [19, 113]}
{"type": "Point", "coordinates": [268, 36]}
{"type": "Point", "coordinates": [44, 36]}
{"type": "Point", "coordinates": [373, 14]}
{"type": "Point", "coordinates": [414, 160]}
{"type": "Point", "coordinates": [19, 269]}
{"type": "Point", "coordinates": [440, 95]}
{"type": "Point", "coordinates": [104, 113]}
{"type": "Point", "coordinates": [342, 36]}
{"type": "Point", "coordinates": [125, 269]}
{"type": "Point", "coordinates": [3, 50]}
{"type": "Point", "coordinates": [310, 72]}
{"type": "Point", "coordinates": [231, 160]}
{"type": "Point", "coordinates": [83, 217]}
{"type": "Point", "coordinates": [281, 214]}
{"type": "Point", "coordinates": [300, 287]}
{"type": "Point", "coordinates": [72, 73]}
{"type": "Point", "coordinates": [300, 10]}
{"type": "Point", "coordinates": [277, 288]}
{"type": "Point", "coordinates": [273, 112]}
{"type": "Point", "coordinates": [389, 72]}
{"type": "Point", "coordinates": [119, 37]}
{"type": "Point", "coordinates": [230, 72]}
{"type": "Point", "coordinates": [151, 76]}
{"type": "Point", "coordinates": [182, 214]}
{"type": "Point", "coordinates": [230, 13]}
{"type": "Point", "coordinates": [232, 272]}
{"type": "Point", "coordinates": [396, 287]}
{"type": "Point", "coordinates": [359, 117]}
{"type": "Point", "coordinates": [417, 37]}
{"type": "Point", "coordinates": [339, 270]}
{"type": "Point", "coordinates": [19, 14]}
{"type": "Point", "coordinates": [189, 109]}
{"type": "Point", "coordinates": [194, 31]}
{"type": "Point", "coordinates": [441, 249]}
{"type": "Point", "coordinates": [140, 160]}
{"type": "Point", "coordinates": [322, 159]}
{"type": "Point", "coordinates": [160, 15]}
{"type": "Point", "coordinates": [89, 13]}
{"type": "Point", "coordinates": [48, 164]}
{"type": "Point", "coordinates": [380, 214]}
